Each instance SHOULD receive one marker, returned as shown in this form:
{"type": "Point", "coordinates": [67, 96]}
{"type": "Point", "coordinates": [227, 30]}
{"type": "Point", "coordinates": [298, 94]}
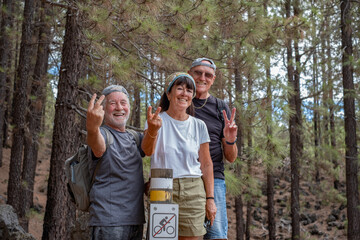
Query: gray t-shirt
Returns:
{"type": "Point", "coordinates": [116, 197]}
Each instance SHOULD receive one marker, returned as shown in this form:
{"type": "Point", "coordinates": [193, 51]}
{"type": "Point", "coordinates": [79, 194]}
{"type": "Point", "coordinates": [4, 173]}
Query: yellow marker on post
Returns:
{"type": "Point", "coordinates": [161, 185]}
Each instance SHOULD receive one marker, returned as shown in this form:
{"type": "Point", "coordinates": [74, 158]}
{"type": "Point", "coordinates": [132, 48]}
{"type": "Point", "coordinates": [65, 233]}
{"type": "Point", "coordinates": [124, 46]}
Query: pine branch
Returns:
{"type": "Point", "coordinates": [59, 5]}
{"type": "Point", "coordinates": [149, 80]}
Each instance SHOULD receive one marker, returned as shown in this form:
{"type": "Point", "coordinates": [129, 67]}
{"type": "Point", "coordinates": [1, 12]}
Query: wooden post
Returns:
{"type": "Point", "coordinates": [161, 185]}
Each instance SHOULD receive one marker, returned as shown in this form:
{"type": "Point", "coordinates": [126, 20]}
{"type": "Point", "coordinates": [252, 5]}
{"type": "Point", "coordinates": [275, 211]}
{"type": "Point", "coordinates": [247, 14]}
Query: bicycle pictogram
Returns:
{"type": "Point", "coordinates": [165, 225]}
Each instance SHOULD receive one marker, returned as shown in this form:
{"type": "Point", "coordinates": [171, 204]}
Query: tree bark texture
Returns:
{"type": "Point", "coordinates": [34, 117]}
{"type": "Point", "coordinates": [331, 112]}
{"type": "Point", "coordinates": [352, 185]}
{"type": "Point", "coordinates": [60, 212]}
{"type": "Point", "coordinates": [240, 231]}
{"type": "Point", "coordinates": [249, 156]}
{"type": "Point", "coordinates": [136, 107]}
{"type": "Point", "coordinates": [239, 90]}
{"type": "Point", "coordinates": [316, 117]}
{"type": "Point", "coordinates": [324, 134]}
{"type": "Point", "coordinates": [4, 53]}
{"type": "Point", "coordinates": [293, 131]}
{"type": "Point", "coordinates": [239, 218]}
{"type": "Point", "coordinates": [270, 150]}
{"type": "Point", "coordinates": [20, 107]}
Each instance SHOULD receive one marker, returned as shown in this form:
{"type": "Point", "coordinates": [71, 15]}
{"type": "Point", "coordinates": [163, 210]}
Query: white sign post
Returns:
{"type": "Point", "coordinates": [164, 221]}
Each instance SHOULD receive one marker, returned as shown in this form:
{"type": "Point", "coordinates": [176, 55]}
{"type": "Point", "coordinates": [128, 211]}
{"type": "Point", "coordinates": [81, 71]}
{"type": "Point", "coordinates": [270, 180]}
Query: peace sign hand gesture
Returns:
{"type": "Point", "coordinates": [230, 129]}
{"type": "Point", "coordinates": [95, 113]}
{"type": "Point", "coordinates": [154, 121]}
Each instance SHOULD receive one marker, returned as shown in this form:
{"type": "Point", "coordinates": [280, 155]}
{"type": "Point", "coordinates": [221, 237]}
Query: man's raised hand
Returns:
{"type": "Point", "coordinates": [230, 129]}
{"type": "Point", "coordinates": [95, 113]}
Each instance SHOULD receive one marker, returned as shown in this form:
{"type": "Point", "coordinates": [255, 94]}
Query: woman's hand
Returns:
{"type": "Point", "coordinates": [154, 124]}
{"type": "Point", "coordinates": [154, 121]}
{"type": "Point", "coordinates": [206, 166]}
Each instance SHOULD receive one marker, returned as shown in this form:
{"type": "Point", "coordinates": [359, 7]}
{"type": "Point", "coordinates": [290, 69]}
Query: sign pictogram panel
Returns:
{"type": "Point", "coordinates": [163, 221]}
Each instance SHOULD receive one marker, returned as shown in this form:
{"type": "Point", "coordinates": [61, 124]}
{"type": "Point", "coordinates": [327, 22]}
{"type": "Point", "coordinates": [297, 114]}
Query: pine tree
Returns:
{"type": "Point", "coordinates": [60, 212]}
{"type": "Point", "coordinates": [4, 55]}
{"type": "Point", "coordinates": [20, 107]}
{"type": "Point", "coordinates": [351, 155]}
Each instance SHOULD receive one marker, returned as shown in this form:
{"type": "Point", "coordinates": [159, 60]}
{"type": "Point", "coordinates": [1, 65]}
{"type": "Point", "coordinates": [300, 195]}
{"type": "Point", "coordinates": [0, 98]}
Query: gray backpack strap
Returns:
{"type": "Point", "coordinates": [136, 136]}
{"type": "Point", "coordinates": [109, 137]}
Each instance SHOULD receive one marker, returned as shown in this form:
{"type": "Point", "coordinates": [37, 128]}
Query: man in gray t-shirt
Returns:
{"type": "Point", "coordinates": [116, 197]}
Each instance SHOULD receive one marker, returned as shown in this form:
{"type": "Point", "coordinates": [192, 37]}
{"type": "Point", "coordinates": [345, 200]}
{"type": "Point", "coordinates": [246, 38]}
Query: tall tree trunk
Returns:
{"type": "Point", "coordinates": [6, 14]}
{"type": "Point", "coordinates": [352, 187]}
{"type": "Point", "coordinates": [11, 78]}
{"type": "Point", "coordinates": [315, 82]}
{"type": "Point", "coordinates": [20, 107]}
{"type": "Point", "coordinates": [270, 148]}
{"type": "Point", "coordinates": [330, 79]}
{"type": "Point", "coordinates": [152, 87]}
{"type": "Point", "coordinates": [295, 205]}
{"type": "Point", "coordinates": [60, 212]}
{"type": "Point", "coordinates": [239, 218]}
{"type": "Point", "coordinates": [38, 88]}
{"type": "Point", "coordinates": [325, 101]}
{"type": "Point", "coordinates": [297, 89]}
{"type": "Point", "coordinates": [136, 107]}
{"type": "Point", "coordinates": [238, 199]}
{"type": "Point", "coordinates": [249, 156]}
{"type": "Point", "coordinates": [8, 104]}
{"type": "Point", "coordinates": [269, 144]}
{"type": "Point", "coordinates": [316, 118]}
{"type": "Point", "coordinates": [240, 110]}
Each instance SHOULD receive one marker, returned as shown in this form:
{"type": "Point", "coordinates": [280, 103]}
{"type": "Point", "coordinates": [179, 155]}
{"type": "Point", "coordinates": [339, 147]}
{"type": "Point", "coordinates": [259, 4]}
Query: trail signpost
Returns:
{"type": "Point", "coordinates": [164, 215]}
{"type": "Point", "coordinates": [164, 221]}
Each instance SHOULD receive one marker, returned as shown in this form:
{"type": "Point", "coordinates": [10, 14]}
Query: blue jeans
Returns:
{"type": "Point", "coordinates": [126, 232]}
{"type": "Point", "coordinates": [220, 227]}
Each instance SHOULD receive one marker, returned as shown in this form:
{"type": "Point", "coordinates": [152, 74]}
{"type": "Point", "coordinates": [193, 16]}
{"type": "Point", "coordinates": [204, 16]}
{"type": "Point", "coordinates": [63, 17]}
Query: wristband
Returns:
{"type": "Point", "coordinates": [209, 198]}
{"type": "Point", "coordinates": [231, 143]}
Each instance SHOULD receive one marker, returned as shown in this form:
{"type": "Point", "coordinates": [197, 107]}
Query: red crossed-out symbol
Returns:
{"type": "Point", "coordinates": [164, 225]}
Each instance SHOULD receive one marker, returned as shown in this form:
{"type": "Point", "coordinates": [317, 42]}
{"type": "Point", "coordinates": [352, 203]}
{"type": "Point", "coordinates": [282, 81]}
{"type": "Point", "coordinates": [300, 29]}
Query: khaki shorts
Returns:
{"type": "Point", "coordinates": [190, 194]}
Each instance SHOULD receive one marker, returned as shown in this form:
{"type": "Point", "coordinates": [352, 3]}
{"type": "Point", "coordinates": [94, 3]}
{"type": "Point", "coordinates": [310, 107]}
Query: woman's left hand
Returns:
{"type": "Point", "coordinates": [230, 129]}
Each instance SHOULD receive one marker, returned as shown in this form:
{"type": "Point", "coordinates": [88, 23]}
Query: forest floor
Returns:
{"type": "Point", "coordinates": [322, 214]}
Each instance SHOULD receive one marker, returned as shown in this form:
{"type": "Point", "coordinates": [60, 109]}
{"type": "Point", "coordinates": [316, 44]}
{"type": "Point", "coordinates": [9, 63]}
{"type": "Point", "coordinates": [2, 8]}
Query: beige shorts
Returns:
{"type": "Point", "coordinates": [190, 194]}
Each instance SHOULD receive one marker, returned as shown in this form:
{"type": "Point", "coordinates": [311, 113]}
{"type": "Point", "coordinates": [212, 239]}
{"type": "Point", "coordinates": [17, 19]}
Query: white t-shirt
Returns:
{"type": "Point", "coordinates": [178, 145]}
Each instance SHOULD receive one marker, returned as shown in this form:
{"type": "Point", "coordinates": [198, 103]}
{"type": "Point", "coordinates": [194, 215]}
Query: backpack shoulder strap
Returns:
{"type": "Point", "coordinates": [136, 136]}
{"type": "Point", "coordinates": [220, 106]}
{"type": "Point", "coordinates": [109, 137]}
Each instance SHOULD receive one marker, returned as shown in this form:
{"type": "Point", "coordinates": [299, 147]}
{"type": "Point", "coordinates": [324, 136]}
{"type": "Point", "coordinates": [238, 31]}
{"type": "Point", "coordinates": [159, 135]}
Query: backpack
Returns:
{"type": "Point", "coordinates": [77, 170]}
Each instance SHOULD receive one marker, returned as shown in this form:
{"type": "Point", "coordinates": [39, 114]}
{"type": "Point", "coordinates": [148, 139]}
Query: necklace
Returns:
{"type": "Point", "coordinates": [202, 105]}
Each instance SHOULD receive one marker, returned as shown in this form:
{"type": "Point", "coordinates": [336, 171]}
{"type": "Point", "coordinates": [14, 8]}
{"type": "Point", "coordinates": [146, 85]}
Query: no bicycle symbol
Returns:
{"type": "Point", "coordinates": [163, 220]}
{"type": "Point", "coordinates": [164, 225]}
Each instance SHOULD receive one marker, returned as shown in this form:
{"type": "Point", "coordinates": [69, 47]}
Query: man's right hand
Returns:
{"type": "Point", "coordinates": [95, 114]}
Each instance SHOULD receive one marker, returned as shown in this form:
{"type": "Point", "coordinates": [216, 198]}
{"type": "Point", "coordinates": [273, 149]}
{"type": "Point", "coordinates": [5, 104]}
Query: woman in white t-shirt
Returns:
{"type": "Point", "coordinates": [183, 145]}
